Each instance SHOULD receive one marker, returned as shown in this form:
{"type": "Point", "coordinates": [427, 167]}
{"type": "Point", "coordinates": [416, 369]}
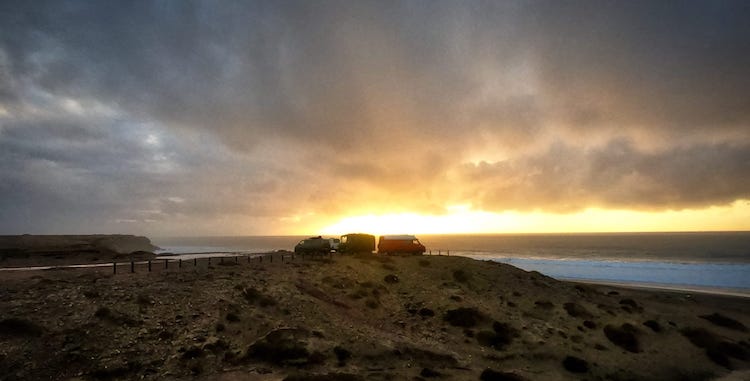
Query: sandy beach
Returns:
{"type": "Point", "coordinates": [360, 317]}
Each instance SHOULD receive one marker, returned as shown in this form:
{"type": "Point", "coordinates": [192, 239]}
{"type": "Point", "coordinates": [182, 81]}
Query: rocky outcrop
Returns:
{"type": "Point", "coordinates": [34, 250]}
{"type": "Point", "coordinates": [118, 243]}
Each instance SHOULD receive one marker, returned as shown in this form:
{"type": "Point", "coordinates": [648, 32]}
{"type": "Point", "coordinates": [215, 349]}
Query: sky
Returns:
{"type": "Point", "coordinates": [298, 117]}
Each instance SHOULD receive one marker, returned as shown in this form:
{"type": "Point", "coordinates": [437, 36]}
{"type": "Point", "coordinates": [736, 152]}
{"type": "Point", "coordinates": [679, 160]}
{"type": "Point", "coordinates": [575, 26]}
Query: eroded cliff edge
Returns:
{"type": "Point", "coordinates": [30, 250]}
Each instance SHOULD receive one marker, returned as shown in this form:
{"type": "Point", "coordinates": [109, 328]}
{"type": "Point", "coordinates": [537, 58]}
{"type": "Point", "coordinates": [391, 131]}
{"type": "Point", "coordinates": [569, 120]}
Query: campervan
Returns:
{"type": "Point", "coordinates": [400, 244]}
{"type": "Point", "coordinates": [313, 245]}
{"type": "Point", "coordinates": [357, 243]}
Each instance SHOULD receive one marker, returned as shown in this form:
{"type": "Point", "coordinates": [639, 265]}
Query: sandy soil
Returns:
{"type": "Point", "coordinates": [360, 318]}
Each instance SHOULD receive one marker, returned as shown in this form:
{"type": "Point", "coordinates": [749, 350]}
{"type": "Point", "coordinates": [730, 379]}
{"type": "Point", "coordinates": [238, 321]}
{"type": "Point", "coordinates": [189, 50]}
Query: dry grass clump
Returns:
{"type": "Point", "coordinates": [493, 375]}
{"type": "Point", "coordinates": [466, 317]}
{"type": "Point", "coordinates": [624, 336]}
{"type": "Point", "coordinates": [501, 336]}
{"type": "Point", "coordinates": [115, 317]}
{"type": "Point", "coordinates": [717, 349]}
{"type": "Point", "coordinates": [18, 327]}
{"type": "Point", "coordinates": [725, 321]}
{"type": "Point", "coordinates": [284, 346]}
{"type": "Point", "coordinates": [342, 354]}
{"type": "Point", "coordinates": [461, 276]}
{"type": "Point", "coordinates": [144, 300]}
{"type": "Point", "coordinates": [575, 364]}
{"type": "Point", "coordinates": [325, 377]}
{"type": "Point", "coordinates": [253, 296]}
{"type": "Point", "coordinates": [576, 310]}
{"type": "Point", "coordinates": [390, 278]}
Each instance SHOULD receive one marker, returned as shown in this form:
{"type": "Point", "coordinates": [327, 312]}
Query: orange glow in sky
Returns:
{"type": "Point", "coordinates": [463, 220]}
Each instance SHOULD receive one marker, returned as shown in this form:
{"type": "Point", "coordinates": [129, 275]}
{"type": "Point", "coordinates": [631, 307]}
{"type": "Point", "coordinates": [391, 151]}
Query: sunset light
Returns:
{"type": "Point", "coordinates": [461, 118]}
{"type": "Point", "coordinates": [735, 217]}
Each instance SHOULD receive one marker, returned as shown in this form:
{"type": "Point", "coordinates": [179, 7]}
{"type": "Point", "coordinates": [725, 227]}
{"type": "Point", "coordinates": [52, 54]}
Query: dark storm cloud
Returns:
{"type": "Point", "coordinates": [677, 66]}
{"type": "Point", "coordinates": [617, 175]}
{"type": "Point", "coordinates": [285, 108]}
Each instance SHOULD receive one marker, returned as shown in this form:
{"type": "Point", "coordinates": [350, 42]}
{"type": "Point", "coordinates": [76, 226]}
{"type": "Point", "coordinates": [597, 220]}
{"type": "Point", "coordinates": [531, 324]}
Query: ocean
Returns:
{"type": "Point", "coordinates": [712, 261]}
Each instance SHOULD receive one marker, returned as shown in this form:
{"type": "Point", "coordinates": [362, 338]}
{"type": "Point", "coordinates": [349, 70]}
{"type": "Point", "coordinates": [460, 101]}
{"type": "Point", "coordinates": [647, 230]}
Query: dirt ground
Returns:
{"type": "Point", "coordinates": [359, 318]}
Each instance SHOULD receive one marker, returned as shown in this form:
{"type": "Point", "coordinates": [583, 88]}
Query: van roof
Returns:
{"type": "Point", "coordinates": [402, 237]}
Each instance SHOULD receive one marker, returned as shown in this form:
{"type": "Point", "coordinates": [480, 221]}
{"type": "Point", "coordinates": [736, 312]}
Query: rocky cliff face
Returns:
{"type": "Point", "coordinates": [32, 250]}
{"type": "Point", "coordinates": [125, 244]}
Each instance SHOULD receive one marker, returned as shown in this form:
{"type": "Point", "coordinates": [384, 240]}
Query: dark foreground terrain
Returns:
{"type": "Point", "coordinates": [359, 318]}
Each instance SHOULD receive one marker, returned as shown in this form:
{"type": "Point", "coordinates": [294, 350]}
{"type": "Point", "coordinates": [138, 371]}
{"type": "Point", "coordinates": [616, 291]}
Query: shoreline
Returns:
{"type": "Point", "coordinates": [174, 257]}
{"type": "Point", "coordinates": [741, 293]}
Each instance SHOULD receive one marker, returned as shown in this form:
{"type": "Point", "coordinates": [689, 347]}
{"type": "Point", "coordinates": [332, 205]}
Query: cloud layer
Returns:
{"type": "Point", "coordinates": [252, 117]}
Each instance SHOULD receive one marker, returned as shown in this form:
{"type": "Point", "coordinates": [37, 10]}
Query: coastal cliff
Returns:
{"type": "Point", "coordinates": [30, 250]}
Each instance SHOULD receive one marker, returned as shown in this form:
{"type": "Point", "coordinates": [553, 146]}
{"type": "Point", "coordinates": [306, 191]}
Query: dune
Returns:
{"type": "Point", "coordinates": [361, 318]}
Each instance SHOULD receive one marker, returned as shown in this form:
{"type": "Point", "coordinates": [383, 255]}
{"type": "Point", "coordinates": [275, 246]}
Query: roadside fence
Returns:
{"type": "Point", "coordinates": [198, 260]}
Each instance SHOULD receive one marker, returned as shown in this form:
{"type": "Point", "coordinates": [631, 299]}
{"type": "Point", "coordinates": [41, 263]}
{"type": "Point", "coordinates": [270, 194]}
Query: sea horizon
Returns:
{"type": "Point", "coordinates": [683, 259]}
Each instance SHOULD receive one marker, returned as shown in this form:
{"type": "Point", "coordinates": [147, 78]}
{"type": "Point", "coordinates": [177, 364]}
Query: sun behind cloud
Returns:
{"type": "Point", "coordinates": [463, 220]}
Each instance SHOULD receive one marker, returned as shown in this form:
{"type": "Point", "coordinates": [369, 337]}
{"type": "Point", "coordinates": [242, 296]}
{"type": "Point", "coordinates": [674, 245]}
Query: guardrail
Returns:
{"type": "Point", "coordinates": [195, 260]}
{"type": "Point", "coordinates": [439, 252]}
{"type": "Point", "coordinates": [281, 257]}
{"type": "Point", "coordinates": [178, 261]}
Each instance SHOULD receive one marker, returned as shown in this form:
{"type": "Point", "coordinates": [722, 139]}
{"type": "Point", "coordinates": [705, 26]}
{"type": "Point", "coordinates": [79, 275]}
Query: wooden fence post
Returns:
{"type": "Point", "coordinates": [149, 265]}
{"type": "Point", "coordinates": [166, 263]}
{"type": "Point", "coordinates": [179, 263]}
{"type": "Point", "coordinates": [114, 267]}
{"type": "Point", "coordinates": [195, 262]}
{"type": "Point", "coordinates": [132, 267]}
